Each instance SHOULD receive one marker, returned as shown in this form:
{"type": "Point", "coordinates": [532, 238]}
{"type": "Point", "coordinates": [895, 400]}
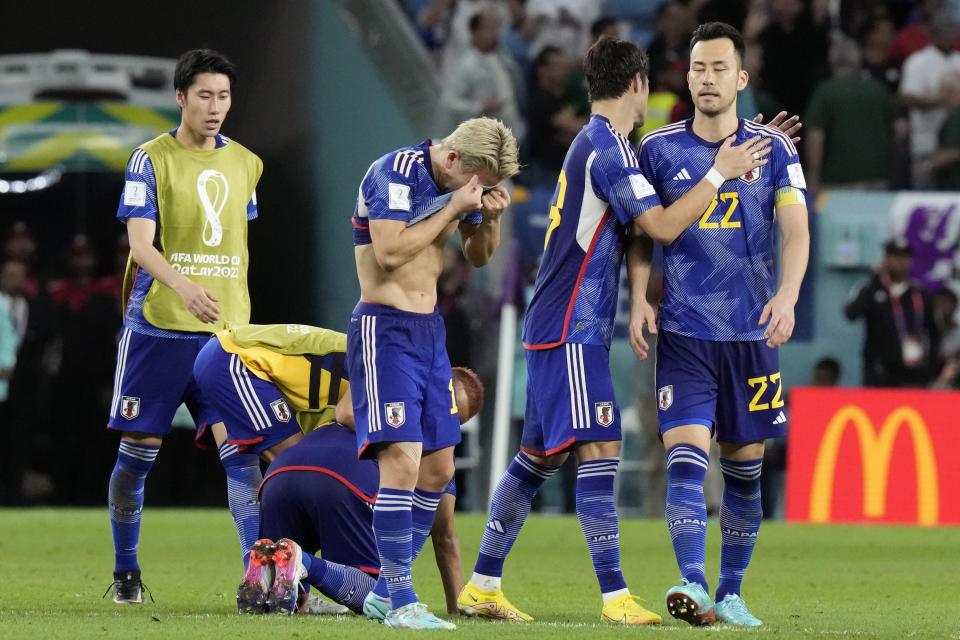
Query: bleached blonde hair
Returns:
{"type": "Point", "coordinates": [484, 143]}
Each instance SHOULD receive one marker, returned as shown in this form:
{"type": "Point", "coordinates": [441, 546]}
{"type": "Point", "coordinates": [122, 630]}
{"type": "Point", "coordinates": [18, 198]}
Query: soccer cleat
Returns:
{"type": "Point", "coordinates": [127, 588]}
{"type": "Point", "coordinates": [733, 610]}
{"type": "Point", "coordinates": [288, 563]}
{"type": "Point", "coordinates": [624, 609]}
{"type": "Point", "coordinates": [375, 607]}
{"type": "Point", "coordinates": [315, 605]}
{"type": "Point", "coordinates": [257, 581]}
{"type": "Point", "coordinates": [691, 603]}
{"type": "Point", "coordinates": [473, 601]}
{"type": "Point", "coordinates": [415, 616]}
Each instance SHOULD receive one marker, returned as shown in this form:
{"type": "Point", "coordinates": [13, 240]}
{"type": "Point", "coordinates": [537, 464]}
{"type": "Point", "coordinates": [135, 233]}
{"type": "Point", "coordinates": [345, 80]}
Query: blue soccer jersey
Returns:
{"type": "Point", "coordinates": [399, 186]}
{"type": "Point", "coordinates": [140, 171]}
{"type": "Point", "coordinates": [601, 190]}
{"type": "Point", "coordinates": [721, 271]}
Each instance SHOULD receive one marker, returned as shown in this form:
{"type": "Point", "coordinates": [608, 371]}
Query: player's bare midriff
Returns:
{"type": "Point", "coordinates": [411, 287]}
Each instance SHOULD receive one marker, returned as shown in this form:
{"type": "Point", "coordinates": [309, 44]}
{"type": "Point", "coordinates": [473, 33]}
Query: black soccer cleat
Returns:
{"type": "Point", "coordinates": [127, 588]}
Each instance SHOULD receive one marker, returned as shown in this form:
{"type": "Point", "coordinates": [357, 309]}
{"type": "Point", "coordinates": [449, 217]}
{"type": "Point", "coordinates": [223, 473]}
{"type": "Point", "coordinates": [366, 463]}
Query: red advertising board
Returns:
{"type": "Point", "coordinates": [873, 455]}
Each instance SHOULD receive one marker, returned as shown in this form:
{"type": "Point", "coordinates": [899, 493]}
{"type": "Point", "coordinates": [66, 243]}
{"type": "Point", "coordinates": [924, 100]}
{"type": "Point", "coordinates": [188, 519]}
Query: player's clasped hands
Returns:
{"type": "Point", "coordinates": [779, 312]}
{"type": "Point", "coordinates": [733, 161]}
{"type": "Point", "coordinates": [199, 301]}
{"type": "Point", "coordinates": [494, 202]}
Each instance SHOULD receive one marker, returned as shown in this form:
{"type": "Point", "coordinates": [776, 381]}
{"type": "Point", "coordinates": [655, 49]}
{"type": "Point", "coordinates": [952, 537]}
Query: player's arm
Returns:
{"type": "Point", "coordinates": [479, 241]}
{"type": "Point", "coordinates": [395, 244]}
{"type": "Point", "coordinates": [198, 300]}
{"type": "Point", "coordinates": [639, 250]}
{"type": "Point", "coordinates": [795, 243]}
{"type": "Point", "coordinates": [446, 548]}
{"type": "Point", "coordinates": [665, 224]}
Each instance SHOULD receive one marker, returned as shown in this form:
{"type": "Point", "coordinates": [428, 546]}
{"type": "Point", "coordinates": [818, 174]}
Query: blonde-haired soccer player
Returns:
{"type": "Point", "coordinates": [410, 203]}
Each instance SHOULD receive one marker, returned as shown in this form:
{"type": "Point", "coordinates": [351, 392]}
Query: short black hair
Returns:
{"type": "Point", "coordinates": [199, 61]}
{"type": "Point", "coordinates": [717, 30]}
{"type": "Point", "coordinates": [610, 65]}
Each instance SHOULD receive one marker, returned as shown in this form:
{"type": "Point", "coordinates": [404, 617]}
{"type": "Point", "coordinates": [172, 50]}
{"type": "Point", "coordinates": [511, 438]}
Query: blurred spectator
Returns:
{"type": "Point", "coordinates": [13, 283]}
{"type": "Point", "coordinates": [454, 23]}
{"type": "Point", "coordinates": [553, 126]}
{"type": "Point", "coordinates": [943, 166]}
{"type": "Point", "coordinates": [480, 81]}
{"type": "Point", "coordinates": [914, 36]}
{"type": "Point", "coordinates": [86, 326]}
{"type": "Point", "coordinates": [669, 99]}
{"type": "Point", "coordinates": [672, 41]}
{"type": "Point", "coordinates": [21, 246]}
{"type": "Point", "coordinates": [849, 125]}
{"type": "Point", "coordinates": [876, 48]}
{"type": "Point", "coordinates": [901, 342]}
{"type": "Point", "coordinates": [795, 44]}
{"type": "Point", "coordinates": [577, 94]}
{"type": "Point", "coordinates": [920, 91]}
{"type": "Point", "coordinates": [826, 373]}
{"type": "Point", "coordinates": [945, 306]}
{"type": "Point", "coordinates": [754, 98]}
{"type": "Point", "coordinates": [564, 24]}
{"type": "Point", "coordinates": [9, 341]}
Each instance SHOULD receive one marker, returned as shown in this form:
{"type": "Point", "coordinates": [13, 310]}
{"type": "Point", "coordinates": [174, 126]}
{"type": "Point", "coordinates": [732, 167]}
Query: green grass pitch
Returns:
{"type": "Point", "coordinates": [804, 582]}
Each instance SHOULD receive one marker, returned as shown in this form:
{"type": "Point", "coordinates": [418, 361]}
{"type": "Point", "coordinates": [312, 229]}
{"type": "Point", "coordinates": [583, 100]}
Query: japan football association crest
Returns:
{"type": "Point", "coordinates": [665, 397]}
{"type": "Point", "coordinates": [395, 413]}
{"type": "Point", "coordinates": [281, 410]}
{"type": "Point", "coordinates": [129, 407]}
{"type": "Point", "coordinates": [751, 176]}
{"type": "Point", "coordinates": [604, 411]}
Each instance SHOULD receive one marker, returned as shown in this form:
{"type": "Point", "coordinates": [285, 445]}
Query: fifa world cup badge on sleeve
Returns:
{"type": "Point", "coordinates": [281, 410]}
{"type": "Point", "coordinates": [395, 413]}
{"type": "Point", "coordinates": [604, 413]}
{"type": "Point", "coordinates": [129, 407]}
{"type": "Point", "coordinates": [665, 397]}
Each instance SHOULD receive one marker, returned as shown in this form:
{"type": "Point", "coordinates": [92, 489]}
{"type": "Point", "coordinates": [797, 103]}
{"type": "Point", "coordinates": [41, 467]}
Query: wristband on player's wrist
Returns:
{"type": "Point", "coordinates": [715, 178]}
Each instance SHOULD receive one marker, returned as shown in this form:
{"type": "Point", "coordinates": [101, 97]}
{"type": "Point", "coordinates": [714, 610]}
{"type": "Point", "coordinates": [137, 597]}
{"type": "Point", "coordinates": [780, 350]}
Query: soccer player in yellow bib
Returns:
{"type": "Point", "coordinates": [186, 201]}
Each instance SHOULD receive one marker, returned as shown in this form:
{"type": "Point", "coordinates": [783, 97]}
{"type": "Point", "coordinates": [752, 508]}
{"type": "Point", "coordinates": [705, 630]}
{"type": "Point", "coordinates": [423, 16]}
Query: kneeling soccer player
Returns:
{"type": "Point", "coordinates": [270, 384]}
{"type": "Point", "coordinates": [318, 495]}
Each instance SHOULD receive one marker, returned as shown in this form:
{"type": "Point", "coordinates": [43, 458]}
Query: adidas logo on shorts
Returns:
{"type": "Point", "coordinates": [780, 419]}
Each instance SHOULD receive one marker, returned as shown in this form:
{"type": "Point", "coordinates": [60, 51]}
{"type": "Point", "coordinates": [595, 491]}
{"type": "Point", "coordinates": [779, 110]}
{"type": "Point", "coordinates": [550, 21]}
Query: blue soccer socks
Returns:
{"type": "Point", "coordinates": [346, 585]}
{"type": "Point", "coordinates": [243, 481]}
{"type": "Point", "coordinates": [740, 516]}
{"type": "Point", "coordinates": [393, 529]}
{"type": "Point", "coordinates": [597, 514]}
{"type": "Point", "coordinates": [509, 508]}
{"type": "Point", "coordinates": [423, 512]}
{"type": "Point", "coordinates": [126, 501]}
{"type": "Point", "coordinates": [686, 510]}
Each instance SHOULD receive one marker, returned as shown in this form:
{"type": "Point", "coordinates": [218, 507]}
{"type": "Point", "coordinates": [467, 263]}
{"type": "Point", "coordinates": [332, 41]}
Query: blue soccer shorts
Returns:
{"type": "Point", "coordinates": [320, 512]}
{"type": "Point", "coordinates": [569, 398]}
{"type": "Point", "coordinates": [732, 386]}
{"type": "Point", "coordinates": [153, 377]}
{"type": "Point", "coordinates": [255, 413]}
{"type": "Point", "coordinates": [400, 378]}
